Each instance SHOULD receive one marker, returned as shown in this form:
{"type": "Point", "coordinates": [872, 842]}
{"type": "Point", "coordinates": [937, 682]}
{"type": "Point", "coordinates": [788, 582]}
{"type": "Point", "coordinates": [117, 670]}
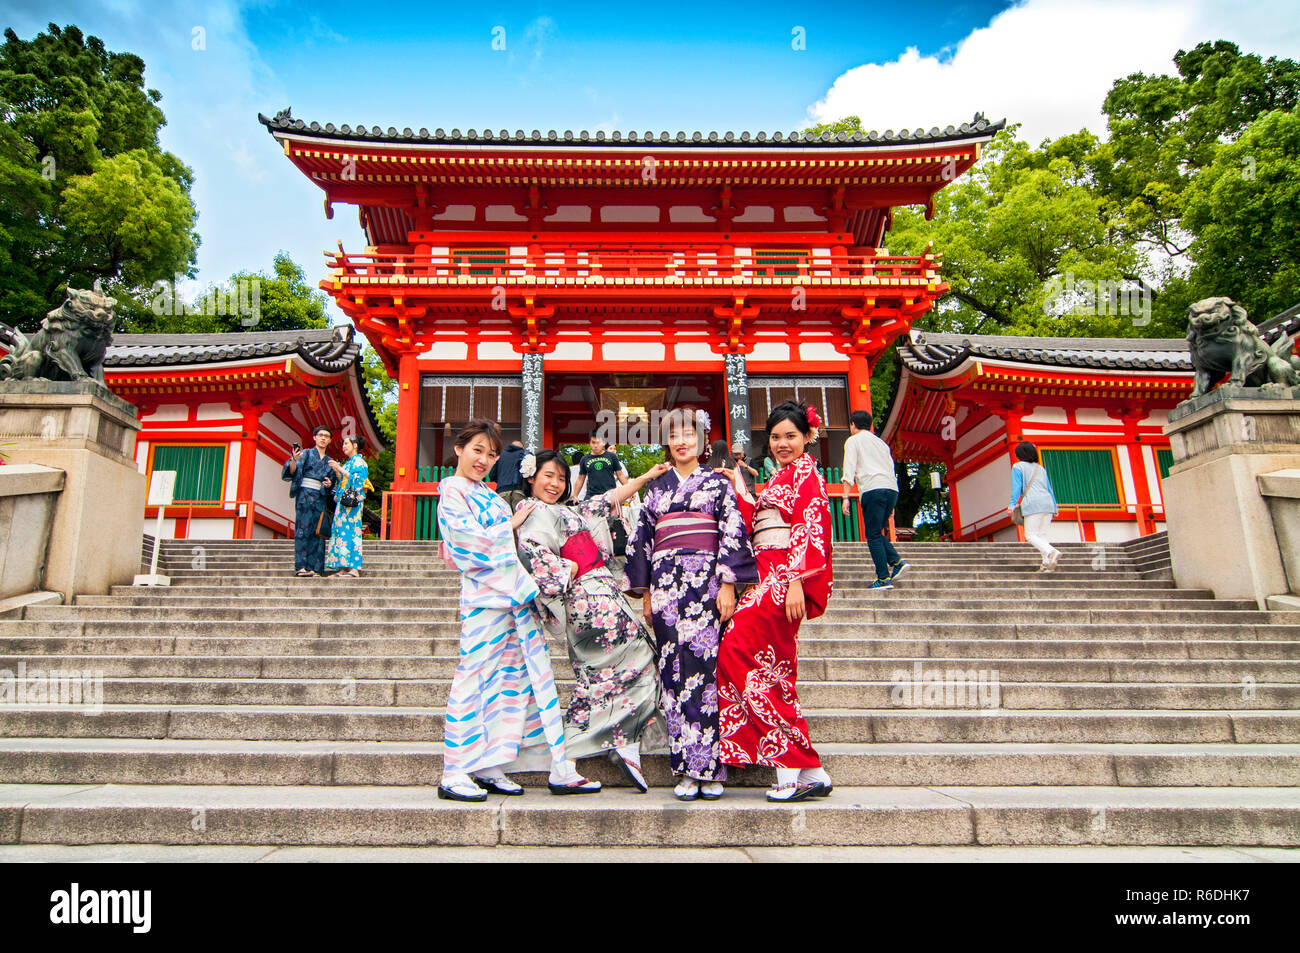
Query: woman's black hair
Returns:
{"type": "Point", "coordinates": [357, 441]}
{"type": "Point", "coordinates": [487, 428]}
{"type": "Point", "coordinates": [1027, 452]}
{"type": "Point", "coordinates": [544, 457]}
{"type": "Point", "coordinates": [795, 411]}
{"type": "Point", "coordinates": [719, 455]}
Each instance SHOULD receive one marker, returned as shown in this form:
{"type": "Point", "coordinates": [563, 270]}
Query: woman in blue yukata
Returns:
{"type": "Point", "coordinates": [503, 709]}
{"type": "Point", "coordinates": [690, 550]}
{"type": "Point", "coordinates": [344, 550]}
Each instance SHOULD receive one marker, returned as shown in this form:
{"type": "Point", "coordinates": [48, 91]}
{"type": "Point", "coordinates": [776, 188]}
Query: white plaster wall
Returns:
{"type": "Point", "coordinates": [985, 491]}
{"type": "Point", "coordinates": [629, 213]}
{"type": "Point", "coordinates": [216, 411]}
{"type": "Point", "coordinates": [232, 471]}
{"type": "Point", "coordinates": [268, 489]}
{"type": "Point", "coordinates": [688, 213]}
{"type": "Point", "coordinates": [769, 351]}
{"type": "Point", "coordinates": [212, 529]}
{"type": "Point", "coordinates": [979, 436]}
{"type": "Point", "coordinates": [498, 351]}
{"type": "Point", "coordinates": [632, 351]}
{"type": "Point", "coordinates": [1097, 416]}
{"type": "Point", "coordinates": [1115, 532]}
{"type": "Point", "coordinates": [167, 412]}
{"type": "Point", "coordinates": [570, 351]}
{"type": "Point", "coordinates": [1128, 488]}
{"type": "Point", "coordinates": [1046, 415]}
{"type": "Point", "coordinates": [273, 425]}
{"type": "Point", "coordinates": [168, 531]}
{"type": "Point", "coordinates": [697, 351]}
{"type": "Point", "coordinates": [821, 351]}
{"type": "Point", "coordinates": [448, 351]}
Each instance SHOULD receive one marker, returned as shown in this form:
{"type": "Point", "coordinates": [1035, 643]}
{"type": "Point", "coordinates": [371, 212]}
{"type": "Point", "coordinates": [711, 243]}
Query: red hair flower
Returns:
{"type": "Point", "coordinates": [814, 419]}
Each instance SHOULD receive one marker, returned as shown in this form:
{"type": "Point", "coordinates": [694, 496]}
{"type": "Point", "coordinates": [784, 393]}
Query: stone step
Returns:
{"type": "Point", "coordinates": [365, 650]}
{"type": "Point", "coordinates": [416, 692]}
{"type": "Point", "coordinates": [447, 607]}
{"type": "Point", "coordinates": [334, 638]}
{"type": "Point", "coordinates": [1277, 671]}
{"type": "Point", "coordinates": [903, 598]}
{"type": "Point", "coordinates": [505, 854]}
{"type": "Point", "coordinates": [171, 761]}
{"type": "Point", "coordinates": [828, 726]}
{"type": "Point", "coordinates": [378, 815]}
{"type": "Point", "coordinates": [915, 611]}
{"type": "Point", "coordinates": [375, 591]}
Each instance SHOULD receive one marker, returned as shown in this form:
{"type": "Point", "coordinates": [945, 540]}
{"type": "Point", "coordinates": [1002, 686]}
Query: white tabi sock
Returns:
{"type": "Point", "coordinates": [787, 775]}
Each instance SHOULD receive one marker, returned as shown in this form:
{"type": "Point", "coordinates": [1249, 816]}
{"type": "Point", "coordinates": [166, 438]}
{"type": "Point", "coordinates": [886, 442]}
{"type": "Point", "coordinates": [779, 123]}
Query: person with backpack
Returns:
{"type": "Point", "coordinates": [1033, 503]}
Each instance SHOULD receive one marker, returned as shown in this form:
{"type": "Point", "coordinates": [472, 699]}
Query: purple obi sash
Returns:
{"type": "Point", "coordinates": [686, 530]}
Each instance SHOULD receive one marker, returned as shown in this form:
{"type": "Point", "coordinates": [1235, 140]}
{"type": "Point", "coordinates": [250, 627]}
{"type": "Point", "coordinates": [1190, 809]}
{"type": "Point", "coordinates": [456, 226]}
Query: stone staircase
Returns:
{"type": "Point", "coordinates": [978, 703]}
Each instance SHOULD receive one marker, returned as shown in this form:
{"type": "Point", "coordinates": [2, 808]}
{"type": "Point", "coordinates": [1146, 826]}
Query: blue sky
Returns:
{"type": "Point", "coordinates": [626, 66]}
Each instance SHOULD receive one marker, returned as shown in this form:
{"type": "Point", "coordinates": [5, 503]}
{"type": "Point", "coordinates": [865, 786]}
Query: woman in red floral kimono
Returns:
{"type": "Point", "coordinates": [790, 523]}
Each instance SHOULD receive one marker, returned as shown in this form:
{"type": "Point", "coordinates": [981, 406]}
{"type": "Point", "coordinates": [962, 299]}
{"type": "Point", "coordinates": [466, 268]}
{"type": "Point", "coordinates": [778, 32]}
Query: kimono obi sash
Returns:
{"type": "Point", "coordinates": [771, 531]}
{"type": "Point", "coordinates": [581, 549]}
{"type": "Point", "coordinates": [309, 484]}
{"type": "Point", "coordinates": [686, 530]}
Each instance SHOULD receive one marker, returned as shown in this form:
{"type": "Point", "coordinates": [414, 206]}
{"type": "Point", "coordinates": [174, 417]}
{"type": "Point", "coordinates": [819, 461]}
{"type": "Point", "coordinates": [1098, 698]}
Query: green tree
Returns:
{"type": "Point", "coordinates": [1165, 129]}
{"type": "Point", "coordinates": [1243, 210]}
{"type": "Point", "coordinates": [284, 299]}
{"type": "Point", "coordinates": [1015, 234]}
{"type": "Point", "coordinates": [107, 203]}
{"type": "Point", "coordinates": [381, 391]}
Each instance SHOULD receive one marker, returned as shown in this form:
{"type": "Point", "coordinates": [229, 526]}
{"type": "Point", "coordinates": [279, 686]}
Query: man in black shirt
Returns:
{"type": "Point", "coordinates": [599, 470]}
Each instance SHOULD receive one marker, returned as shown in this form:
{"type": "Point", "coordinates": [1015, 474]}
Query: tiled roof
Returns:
{"type": "Point", "coordinates": [928, 354]}
{"type": "Point", "coordinates": [977, 128]}
{"type": "Point", "coordinates": [328, 349]}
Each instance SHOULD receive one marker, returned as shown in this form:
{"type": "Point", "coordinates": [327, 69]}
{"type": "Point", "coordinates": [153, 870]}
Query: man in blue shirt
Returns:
{"type": "Point", "coordinates": [309, 477]}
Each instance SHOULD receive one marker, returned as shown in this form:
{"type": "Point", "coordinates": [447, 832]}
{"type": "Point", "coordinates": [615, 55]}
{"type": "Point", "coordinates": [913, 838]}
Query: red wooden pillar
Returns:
{"type": "Point", "coordinates": [859, 383]}
{"type": "Point", "coordinates": [248, 438]}
{"type": "Point", "coordinates": [406, 455]}
{"type": "Point", "coordinates": [1015, 433]}
{"type": "Point", "coordinates": [1142, 489]}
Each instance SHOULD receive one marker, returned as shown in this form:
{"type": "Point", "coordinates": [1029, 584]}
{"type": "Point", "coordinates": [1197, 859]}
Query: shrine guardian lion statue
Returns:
{"type": "Point", "coordinates": [70, 344]}
{"type": "Point", "coordinates": [1222, 340]}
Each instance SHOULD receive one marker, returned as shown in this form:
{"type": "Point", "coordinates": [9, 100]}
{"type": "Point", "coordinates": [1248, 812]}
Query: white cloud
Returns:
{"type": "Point", "coordinates": [1048, 64]}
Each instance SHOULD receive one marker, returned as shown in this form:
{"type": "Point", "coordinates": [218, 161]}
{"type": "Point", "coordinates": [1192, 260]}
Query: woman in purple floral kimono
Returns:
{"type": "Point", "coordinates": [690, 550]}
{"type": "Point", "coordinates": [569, 552]}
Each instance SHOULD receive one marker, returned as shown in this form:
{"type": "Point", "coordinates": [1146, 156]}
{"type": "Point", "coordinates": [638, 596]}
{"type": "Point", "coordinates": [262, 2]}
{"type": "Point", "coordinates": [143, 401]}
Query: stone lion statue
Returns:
{"type": "Point", "coordinates": [1222, 340]}
{"type": "Point", "coordinates": [70, 344]}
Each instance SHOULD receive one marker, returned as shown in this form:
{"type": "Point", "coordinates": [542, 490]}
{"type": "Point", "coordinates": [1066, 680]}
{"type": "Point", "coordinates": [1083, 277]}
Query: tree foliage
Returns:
{"type": "Point", "coordinates": [86, 192]}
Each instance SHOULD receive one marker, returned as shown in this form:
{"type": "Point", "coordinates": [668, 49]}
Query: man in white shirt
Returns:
{"type": "Point", "coordinates": [869, 464]}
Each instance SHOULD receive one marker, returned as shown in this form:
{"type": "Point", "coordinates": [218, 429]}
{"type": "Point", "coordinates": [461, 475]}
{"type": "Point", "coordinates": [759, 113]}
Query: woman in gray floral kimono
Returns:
{"type": "Point", "coordinates": [568, 550]}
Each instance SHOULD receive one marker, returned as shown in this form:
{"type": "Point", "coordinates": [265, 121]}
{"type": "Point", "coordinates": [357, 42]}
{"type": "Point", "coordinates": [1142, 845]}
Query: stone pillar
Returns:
{"type": "Point", "coordinates": [531, 403]}
{"type": "Point", "coordinates": [738, 425]}
{"type": "Point", "coordinates": [1221, 535]}
{"type": "Point", "coordinates": [89, 433]}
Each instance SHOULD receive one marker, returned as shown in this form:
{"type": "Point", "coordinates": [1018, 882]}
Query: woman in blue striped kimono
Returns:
{"type": "Point", "coordinates": [503, 710]}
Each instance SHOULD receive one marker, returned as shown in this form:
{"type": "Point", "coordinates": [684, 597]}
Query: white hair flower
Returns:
{"type": "Point", "coordinates": [704, 420]}
{"type": "Point", "coordinates": [528, 465]}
